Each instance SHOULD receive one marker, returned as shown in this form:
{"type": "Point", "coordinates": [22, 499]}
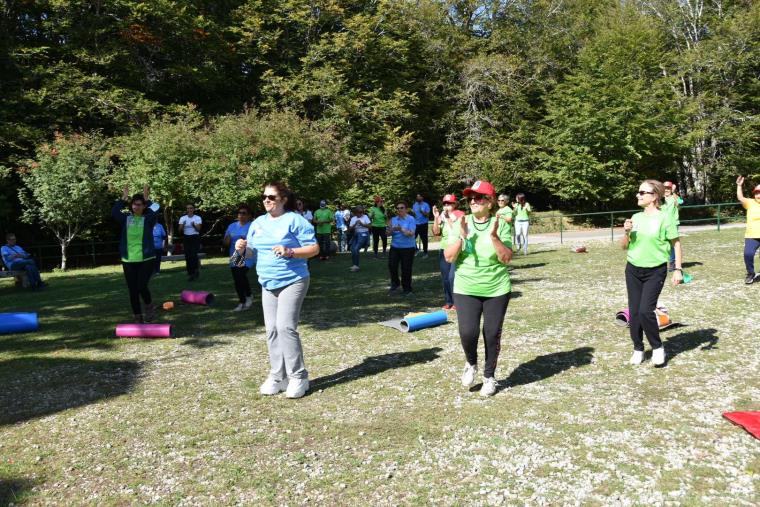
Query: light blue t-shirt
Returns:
{"type": "Point", "coordinates": [159, 234]}
{"type": "Point", "coordinates": [7, 252]}
{"type": "Point", "coordinates": [340, 222]}
{"type": "Point", "coordinates": [236, 231]}
{"type": "Point", "coordinates": [418, 208]}
{"type": "Point", "coordinates": [398, 238]}
{"type": "Point", "coordinates": [290, 230]}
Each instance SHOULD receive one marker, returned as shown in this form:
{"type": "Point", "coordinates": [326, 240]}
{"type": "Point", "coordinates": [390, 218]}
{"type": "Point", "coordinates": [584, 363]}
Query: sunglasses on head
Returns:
{"type": "Point", "coordinates": [644, 192]}
{"type": "Point", "coordinates": [266, 197]}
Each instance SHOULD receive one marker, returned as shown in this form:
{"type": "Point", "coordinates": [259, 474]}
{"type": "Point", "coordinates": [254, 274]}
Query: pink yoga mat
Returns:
{"type": "Point", "coordinates": [144, 330]}
{"type": "Point", "coordinates": [197, 297]}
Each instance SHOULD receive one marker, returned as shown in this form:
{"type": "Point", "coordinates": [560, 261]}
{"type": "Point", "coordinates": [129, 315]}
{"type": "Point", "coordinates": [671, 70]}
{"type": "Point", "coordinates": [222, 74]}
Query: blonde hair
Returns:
{"type": "Point", "coordinates": [659, 190]}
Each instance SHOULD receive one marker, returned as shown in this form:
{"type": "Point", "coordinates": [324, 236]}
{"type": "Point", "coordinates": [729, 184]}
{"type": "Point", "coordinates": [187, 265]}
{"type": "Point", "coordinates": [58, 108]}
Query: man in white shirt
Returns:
{"type": "Point", "coordinates": [191, 228]}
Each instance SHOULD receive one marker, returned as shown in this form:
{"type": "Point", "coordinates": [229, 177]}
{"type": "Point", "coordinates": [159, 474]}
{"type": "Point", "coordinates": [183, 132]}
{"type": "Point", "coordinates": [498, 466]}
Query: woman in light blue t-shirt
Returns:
{"type": "Point", "coordinates": [235, 231]}
{"type": "Point", "coordinates": [283, 240]}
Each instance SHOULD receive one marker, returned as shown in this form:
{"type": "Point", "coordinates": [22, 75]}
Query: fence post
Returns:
{"type": "Point", "coordinates": [560, 228]}
{"type": "Point", "coordinates": [612, 226]}
{"type": "Point", "coordinates": [718, 217]}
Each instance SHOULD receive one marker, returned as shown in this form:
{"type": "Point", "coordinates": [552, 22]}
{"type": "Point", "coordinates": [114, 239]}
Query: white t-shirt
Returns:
{"type": "Point", "coordinates": [360, 223]}
{"type": "Point", "coordinates": [187, 224]}
{"type": "Point", "coordinates": [308, 215]}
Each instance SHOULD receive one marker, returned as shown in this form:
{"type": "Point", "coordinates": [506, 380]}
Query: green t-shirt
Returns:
{"type": "Point", "coordinates": [649, 244]}
{"type": "Point", "coordinates": [506, 211]}
{"type": "Point", "coordinates": [671, 207]}
{"type": "Point", "coordinates": [135, 228]}
{"type": "Point", "coordinates": [377, 216]}
{"type": "Point", "coordinates": [323, 214]}
{"type": "Point", "coordinates": [479, 272]}
{"type": "Point", "coordinates": [521, 212]}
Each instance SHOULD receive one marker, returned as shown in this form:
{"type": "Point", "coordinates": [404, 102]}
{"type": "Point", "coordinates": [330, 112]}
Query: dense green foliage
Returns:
{"type": "Point", "coordinates": [572, 101]}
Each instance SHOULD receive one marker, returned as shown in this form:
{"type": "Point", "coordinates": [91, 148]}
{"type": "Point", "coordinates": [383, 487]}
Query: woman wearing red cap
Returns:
{"type": "Point", "coordinates": [649, 237]}
{"type": "Point", "coordinates": [442, 226]}
{"type": "Point", "coordinates": [752, 235]}
{"type": "Point", "coordinates": [481, 249]}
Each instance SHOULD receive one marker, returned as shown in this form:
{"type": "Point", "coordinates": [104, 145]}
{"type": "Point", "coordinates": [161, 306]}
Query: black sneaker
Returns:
{"type": "Point", "coordinates": [750, 279]}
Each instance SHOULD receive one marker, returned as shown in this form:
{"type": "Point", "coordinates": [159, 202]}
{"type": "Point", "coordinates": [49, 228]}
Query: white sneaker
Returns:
{"type": "Point", "coordinates": [658, 356]}
{"type": "Point", "coordinates": [239, 308]}
{"type": "Point", "coordinates": [248, 302]}
{"type": "Point", "coordinates": [637, 357]}
{"type": "Point", "coordinates": [270, 387]}
{"type": "Point", "coordinates": [468, 377]}
{"type": "Point", "coordinates": [354, 268]}
{"type": "Point", "coordinates": [297, 387]}
{"type": "Point", "coordinates": [489, 387]}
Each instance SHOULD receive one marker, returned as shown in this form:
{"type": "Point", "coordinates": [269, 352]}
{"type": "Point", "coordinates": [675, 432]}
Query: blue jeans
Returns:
{"type": "Point", "coordinates": [341, 240]}
{"type": "Point", "coordinates": [30, 267]}
{"type": "Point", "coordinates": [751, 245]}
{"type": "Point", "coordinates": [359, 241]}
{"type": "Point", "coordinates": [448, 270]}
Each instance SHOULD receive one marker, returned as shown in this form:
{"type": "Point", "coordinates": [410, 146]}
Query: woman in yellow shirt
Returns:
{"type": "Point", "coordinates": [752, 235]}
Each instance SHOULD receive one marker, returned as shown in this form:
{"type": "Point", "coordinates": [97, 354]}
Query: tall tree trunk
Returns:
{"type": "Point", "coordinates": [64, 246]}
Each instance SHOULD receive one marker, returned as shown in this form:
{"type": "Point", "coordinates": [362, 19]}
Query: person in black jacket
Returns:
{"type": "Point", "coordinates": [136, 249]}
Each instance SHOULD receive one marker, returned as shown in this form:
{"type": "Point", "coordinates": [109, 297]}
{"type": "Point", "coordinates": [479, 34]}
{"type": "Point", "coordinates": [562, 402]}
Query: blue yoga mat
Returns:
{"type": "Point", "coordinates": [423, 321]}
{"type": "Point", "coordinates": [18, 323]}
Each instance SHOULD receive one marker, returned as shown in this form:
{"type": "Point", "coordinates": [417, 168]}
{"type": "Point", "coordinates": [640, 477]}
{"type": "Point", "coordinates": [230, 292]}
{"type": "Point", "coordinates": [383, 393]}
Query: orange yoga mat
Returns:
{"type": "Point", "coordinates": [750, 421]}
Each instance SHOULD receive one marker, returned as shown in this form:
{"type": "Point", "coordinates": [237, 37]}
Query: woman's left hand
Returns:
{"type": "Point", "coordinates": [677, 277]}
{"type": "Point", "coordinates": [495, 229]}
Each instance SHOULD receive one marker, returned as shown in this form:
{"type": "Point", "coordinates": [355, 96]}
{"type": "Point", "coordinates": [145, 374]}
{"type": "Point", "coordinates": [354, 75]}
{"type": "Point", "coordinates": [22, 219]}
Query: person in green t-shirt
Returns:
{"type": "Point", "coordinates": [670, 205]}
{"type": "Point", "coordinates": [649, 237]}
{"type": "Point", "coordinates": [504, 211]}
{"type": "Point", "coordinates": [443, 223]}
{"type": "Point", "coordinates": [137, 251]}
{"type": "Point", "coordinates": [323, 222]}
{"type": "Point", "coordinates": [379, 218]}
{"type": "Point", "coordinates": [481, 247]}
{"type": "Point", "coordinates": [521, 213]}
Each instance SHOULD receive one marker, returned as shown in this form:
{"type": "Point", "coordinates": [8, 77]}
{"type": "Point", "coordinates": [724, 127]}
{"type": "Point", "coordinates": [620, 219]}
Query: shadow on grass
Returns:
{"type": "Point", "coordinates": [528, 266]}
{"type": "Point", "coordinates": [691, 264]}
{"type": "Point", "coordinates": [706, 339]}
{"type": "Point", "coordinates": [13, 490]}
{"type": "Point", "coordinates": [37, 386]}
{"type": "Point", "coordinates": [201, 343]}
{"type": "Point", "coordinates": [543, 367]}
{"type": "Point", "coordinates": [375, 364]}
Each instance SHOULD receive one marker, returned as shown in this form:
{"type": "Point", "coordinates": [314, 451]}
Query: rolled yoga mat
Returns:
{"type": "Point", "coordinates": [18, 323]}
{"type": "Point", "coordinates": [144, 330]}
{"type": "Point", "coordinates": [623, 318]}
{"type": "Point", "coordinates": [422, 321]}
{"type": "Point", "coordinates": [197, 297]}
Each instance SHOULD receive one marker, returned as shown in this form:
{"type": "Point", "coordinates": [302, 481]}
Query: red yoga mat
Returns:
{"type": "Point", "coordinates": [750, 421]}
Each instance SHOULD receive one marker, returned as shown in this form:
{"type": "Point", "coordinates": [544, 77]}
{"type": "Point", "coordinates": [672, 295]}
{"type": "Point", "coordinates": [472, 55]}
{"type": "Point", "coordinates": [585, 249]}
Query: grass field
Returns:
{"type": "Point", "coordinates": [87, 419]}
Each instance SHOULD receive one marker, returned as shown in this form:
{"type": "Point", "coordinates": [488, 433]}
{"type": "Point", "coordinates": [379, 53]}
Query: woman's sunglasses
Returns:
{"type": "Point", "coordinates": [266, 197]}
{"type": "Point", "coordinates": [479, 198]}
{"type": "Point", "coordinates": [642, 192]}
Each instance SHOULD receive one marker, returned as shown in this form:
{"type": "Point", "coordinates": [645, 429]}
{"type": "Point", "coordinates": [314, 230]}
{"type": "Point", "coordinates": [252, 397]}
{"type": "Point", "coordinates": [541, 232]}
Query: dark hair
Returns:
{"type": "Point", "coordinates": [246, 208]}
{"type": "Point", "coordinates": [402, 202]}
{"type": "Point", "coordinates": [520, 198]}
{"type": "Point", "coordinates": [137, 197]}
{"type": "Point", "coordinates": [10, 235]}
{"type": "Point", "coordinates": [285, 193]}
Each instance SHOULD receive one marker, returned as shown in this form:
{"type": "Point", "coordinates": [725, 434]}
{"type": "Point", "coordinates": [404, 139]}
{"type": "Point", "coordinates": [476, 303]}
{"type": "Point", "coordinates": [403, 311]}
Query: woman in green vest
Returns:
{"type": "Point", "coordinates": [649, 237]}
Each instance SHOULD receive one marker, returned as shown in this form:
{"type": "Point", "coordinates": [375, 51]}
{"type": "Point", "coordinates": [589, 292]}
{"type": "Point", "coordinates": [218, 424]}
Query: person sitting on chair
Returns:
{"type": "Point", "coordinates": [16, 258]}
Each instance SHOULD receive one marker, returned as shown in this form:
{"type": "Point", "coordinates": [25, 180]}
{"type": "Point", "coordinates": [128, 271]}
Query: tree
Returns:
{"type": "Point", "coordinates": [65, 186]}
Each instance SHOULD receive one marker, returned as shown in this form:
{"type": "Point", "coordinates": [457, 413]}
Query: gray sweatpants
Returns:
{"type": "Point", "coordinates": [282, 309]}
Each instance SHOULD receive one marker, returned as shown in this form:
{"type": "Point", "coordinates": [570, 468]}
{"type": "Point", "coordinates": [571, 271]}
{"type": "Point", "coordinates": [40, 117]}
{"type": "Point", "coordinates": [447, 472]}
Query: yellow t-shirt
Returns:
{"type": "Point", "coordinates": [753, 218]}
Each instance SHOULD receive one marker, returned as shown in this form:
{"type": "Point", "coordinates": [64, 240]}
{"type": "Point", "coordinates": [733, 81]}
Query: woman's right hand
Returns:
{"type": "Point", "coordinates": [628, 225]}
{"type": "Point", "coordinates": [241, 245]}
{"type": "Point", "coordinates": [436, 213]}
{"type": "Point", "coordinates": [740, 181]}
{"type": "Point", "coordinates": [463, 231]}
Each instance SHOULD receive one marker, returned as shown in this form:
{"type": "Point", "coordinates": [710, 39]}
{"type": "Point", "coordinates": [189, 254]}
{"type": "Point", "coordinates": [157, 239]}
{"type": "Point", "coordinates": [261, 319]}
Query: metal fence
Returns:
{"type": "Point", "coordinates": [700, 214]}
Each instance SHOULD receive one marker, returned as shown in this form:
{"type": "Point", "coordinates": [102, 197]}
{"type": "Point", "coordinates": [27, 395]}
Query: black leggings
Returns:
{"type": "Point", "coordinates": [422, 231]}
{"type": "Point", "coordinates": [378, 233]}
{"type": "Point", "coordinates": [644, 286]}
{"type": "Point", "coordinates": [242, 285]}
{"type": "Point", "coordinates": [192, 244]}
{"type": "Point", "coordinates": [137, 275]}
{"type": "Point", "coordinates": [493, 310]}
{"type": "Point", "coordinates": [404, 257]}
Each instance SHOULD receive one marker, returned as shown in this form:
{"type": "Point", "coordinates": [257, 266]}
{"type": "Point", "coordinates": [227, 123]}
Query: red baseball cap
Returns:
{"type": "Point", "coordinates": [450, 199]}
{"type": "Point", "coordinates": [480, 187]}
{"type": "Point", "coordinates": [756, 189]}
{"type": "Point", "coordinates": [669, 184]}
